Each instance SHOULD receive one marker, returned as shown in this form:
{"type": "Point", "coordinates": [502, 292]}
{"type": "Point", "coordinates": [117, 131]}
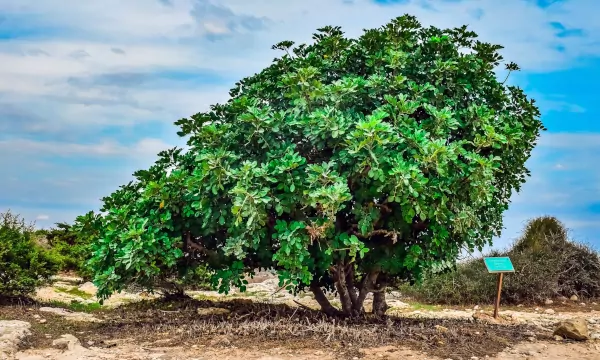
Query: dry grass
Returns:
{"type": "Point", "coordinates": [175, 323]}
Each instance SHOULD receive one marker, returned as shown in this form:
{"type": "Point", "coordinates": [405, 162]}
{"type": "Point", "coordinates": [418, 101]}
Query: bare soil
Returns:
{"type": "Point", "coordinates": [270, 328]}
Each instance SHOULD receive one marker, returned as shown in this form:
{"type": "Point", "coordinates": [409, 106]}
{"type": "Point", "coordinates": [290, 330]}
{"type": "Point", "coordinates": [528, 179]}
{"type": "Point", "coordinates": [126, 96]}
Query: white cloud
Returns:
{"type": "Point", "coordinates": [144, 147]}
{"type": "Point", "coordinates": [42, 217]}
{"type": "Point", "coordinates": [584, 141]}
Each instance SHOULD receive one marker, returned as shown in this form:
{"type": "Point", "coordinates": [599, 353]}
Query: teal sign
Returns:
{"type": "Point", "coordinates": [498, 264]}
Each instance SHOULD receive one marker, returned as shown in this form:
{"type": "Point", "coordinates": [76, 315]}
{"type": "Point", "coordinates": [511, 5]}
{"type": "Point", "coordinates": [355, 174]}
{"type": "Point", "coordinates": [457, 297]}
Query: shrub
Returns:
{"type": "Point", "coordinates": [24, 265]}
{"type": "Point", "coordinates": [345, 164]}
{"type": "Point", "coordinates": [71, 247]}
{"type": "Point", "coordinates": [547, 265]}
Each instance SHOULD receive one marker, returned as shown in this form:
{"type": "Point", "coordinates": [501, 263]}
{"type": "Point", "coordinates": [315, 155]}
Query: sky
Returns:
{"type": "Point", "coordinates": [89, 90]}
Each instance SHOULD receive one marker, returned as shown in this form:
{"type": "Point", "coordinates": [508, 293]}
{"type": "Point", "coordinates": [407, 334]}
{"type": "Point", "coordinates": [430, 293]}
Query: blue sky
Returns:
{"type": "Point", "coordinates": [89, 89]}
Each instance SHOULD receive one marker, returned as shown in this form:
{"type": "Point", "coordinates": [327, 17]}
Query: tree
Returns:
{"type": "Point", "coordinates": [345, 165]}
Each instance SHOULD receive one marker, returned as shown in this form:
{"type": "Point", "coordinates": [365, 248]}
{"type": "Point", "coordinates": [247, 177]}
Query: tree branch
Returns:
{"type": "Point", "coordinates": [387, 233]}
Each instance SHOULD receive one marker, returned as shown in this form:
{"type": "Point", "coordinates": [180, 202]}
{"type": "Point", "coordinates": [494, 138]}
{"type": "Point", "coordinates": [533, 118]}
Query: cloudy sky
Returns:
{"type": "Point", "coordinates": [89, 89]}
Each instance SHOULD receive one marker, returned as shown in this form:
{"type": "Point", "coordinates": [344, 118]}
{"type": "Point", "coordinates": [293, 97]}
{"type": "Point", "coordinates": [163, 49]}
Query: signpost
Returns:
{"type": "Point", "coordinates": [498, 265]}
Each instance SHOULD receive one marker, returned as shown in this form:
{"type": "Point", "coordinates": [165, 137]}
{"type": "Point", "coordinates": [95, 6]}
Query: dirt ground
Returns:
{"type": "Point", "coordinates": [264, 326]}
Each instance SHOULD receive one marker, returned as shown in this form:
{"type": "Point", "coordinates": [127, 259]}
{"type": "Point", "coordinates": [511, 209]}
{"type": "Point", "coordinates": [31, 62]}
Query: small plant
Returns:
{"type": "Point", "coordinates": [24, 264]}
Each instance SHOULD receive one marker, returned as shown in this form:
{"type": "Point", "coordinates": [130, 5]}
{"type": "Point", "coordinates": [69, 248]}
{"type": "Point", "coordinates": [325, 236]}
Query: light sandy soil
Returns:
{"type": "Point", "coordinates": [532, 351]}
{"type": "Point", "coordinates": [265, 290]}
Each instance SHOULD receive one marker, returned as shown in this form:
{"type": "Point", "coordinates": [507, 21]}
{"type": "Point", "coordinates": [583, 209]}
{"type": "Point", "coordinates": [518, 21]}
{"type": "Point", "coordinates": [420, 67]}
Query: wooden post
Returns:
{"type": "Point", "coordinates": [498, 296]}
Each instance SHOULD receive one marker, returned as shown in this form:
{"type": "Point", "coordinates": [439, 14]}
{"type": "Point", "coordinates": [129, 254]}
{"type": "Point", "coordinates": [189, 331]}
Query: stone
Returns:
{"type": "Point", "coordinates": [574, 297]}
{"type": "Point", "coordinates": [562, 299]}
{"type": "Point", "coordinates": [88, 288]}
{"type": "Point", "coordinates": [574, 329]}
{"type": "Point", "coordinates": [12, 333]}
{"type": "Point", "coordinates": [213, 311]}
{"type": "Point", "coordinates": [441, 329]}
{"type": "Point", "coordinates": [582, 304]}
{"type": "Point", "coordinates": [66, 342]}
{"type": "Point", "coordinates": [548, 302]}
{"type": "Point", "coordinates": [42, 321]}
{"type": "Point", "coordinates": [558, 338]}
{"type": "Point", "coordinates": [476, 307]}
{"type": "Point", "coordinates": [70, 315]}
{"type": "Point", "coordinates": [595, 336]}
{"type": "Point", "coordinates": [549, 311]}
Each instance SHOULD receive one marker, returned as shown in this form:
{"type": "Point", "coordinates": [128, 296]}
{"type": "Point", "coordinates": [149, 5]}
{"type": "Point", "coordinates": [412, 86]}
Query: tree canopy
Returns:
{"type": "Point", "coordinates": [345, 165]}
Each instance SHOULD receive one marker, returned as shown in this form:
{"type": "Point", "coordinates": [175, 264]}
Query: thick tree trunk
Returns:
{"type": "Point", "coordinates": [367, 285]}
{"type": "Point", "coordinates": [339, 277]}
{"type": "Point", "coordinates": [379, 304]}
{"type": "Point", "coordinates": [322, 300]}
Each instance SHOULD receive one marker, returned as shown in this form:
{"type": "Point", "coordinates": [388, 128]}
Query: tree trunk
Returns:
{"type": "Point", "coordinates": [339, 278]}
{"type": "Point", "coordinates": [322, 300]}
{"type": "Point", "coordinates": [367, 285]}
{"type": "Point", "coordinates": [379, 304]}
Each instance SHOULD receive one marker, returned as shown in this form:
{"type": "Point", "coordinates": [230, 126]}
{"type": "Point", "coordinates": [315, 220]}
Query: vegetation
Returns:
{"type": "Point", "coordinates": [70, 247]}
{"type": "Point", "coordinates": [24, 264]}
{"type": "Point", "coordinates": [547, 265]}
{"type": "Point", "coordinates": [346, 164]}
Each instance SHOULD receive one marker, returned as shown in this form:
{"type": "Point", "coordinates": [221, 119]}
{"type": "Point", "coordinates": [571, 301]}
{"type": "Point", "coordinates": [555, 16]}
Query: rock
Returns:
{"type": "Point", "coordinates": [42, 321]}
{"type": "Point", "coordinates": [213, 311]}
{"type": "Point", "coordinates": [12, 333]}
{"type": "Point", "coordinates": [36, 316]}
{"type": "Point", "coordinates": [558, 338]}
{"type": "Point", "coordinates": [575, 329]}
{"type": "Point", "coordinates": [536, 309]}
{"type": "Point", "coordinates": [548, 302]}
{"type": "Point", "coordinates": [71, 315]}
{"type": "Point", "coordinates": [476, 307]}
{"type": "Point", "coordinates": [562, 299]}
{"type": "Point", "coordinates": [520, 305]}
{"type": "Point", "coordinates": [574, 297]}
{"type": "Point", "coordinates": [549, 311]}
{"type": "Point", "coordinates": [88, 288]}
{"type": "Point", "coordinates": [582, 304]}
{"type": "Point", "coordinates": [595, 336]}
{"type": "Point", "coordinates": [441, 329]}
{"type": "Point", "coordinates": [66, 342]}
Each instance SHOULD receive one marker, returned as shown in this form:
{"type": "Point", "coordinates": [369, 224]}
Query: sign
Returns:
{"type": "Point", "coordinates": [496, 265]}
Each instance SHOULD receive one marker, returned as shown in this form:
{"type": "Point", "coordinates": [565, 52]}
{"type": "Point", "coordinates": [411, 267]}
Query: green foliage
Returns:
{"type": "Point", "coordinates": [24, 264]}
{"type": "Point", "coordinates": [382, 155]}
{"type": "Point", "coordinates": [547, 265]}
{"type": "Point", "coordinates": [71, 247]}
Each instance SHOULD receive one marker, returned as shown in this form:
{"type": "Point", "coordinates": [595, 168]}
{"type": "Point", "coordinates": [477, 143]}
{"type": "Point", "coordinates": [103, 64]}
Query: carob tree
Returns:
{"type": "Point", "coordinates": [345, 165]}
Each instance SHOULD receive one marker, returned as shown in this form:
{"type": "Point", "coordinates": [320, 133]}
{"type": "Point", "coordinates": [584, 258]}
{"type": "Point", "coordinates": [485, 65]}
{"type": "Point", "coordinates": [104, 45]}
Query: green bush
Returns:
{"type": "Point", "coordinates": [71, 247]}
{"type": "Point", "coordinates": [547, 265]}
{"type": "Point", "coordinates": [24, 264]}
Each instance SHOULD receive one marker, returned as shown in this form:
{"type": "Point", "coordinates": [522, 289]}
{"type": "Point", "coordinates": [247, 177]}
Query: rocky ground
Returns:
{"type": "Point", "coordinates": [266, 323]}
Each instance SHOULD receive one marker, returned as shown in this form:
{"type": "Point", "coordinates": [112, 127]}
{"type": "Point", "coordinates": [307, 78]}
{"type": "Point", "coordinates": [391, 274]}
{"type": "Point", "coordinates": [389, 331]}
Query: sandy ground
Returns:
{"type": "Point", "coordinates": [66, 289]}
{"type": "Point", "coordinates": [538, 350]}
